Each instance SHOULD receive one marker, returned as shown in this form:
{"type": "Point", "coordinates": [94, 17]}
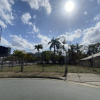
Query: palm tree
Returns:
{"type": "Point", "coordinates": [72, 47]}
{"type": "Point", "coordinates": [39, 46]}
{"type": "Point", "coordinates": [54, 44]}
{"type": "Point", "coordinates": [78, 47]}
{"type": "Point", "coordinates": [63, 47]}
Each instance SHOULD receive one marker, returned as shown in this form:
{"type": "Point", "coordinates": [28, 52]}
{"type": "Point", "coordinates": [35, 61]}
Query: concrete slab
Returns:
{"type": "Point", "coordinates": [88, 78]}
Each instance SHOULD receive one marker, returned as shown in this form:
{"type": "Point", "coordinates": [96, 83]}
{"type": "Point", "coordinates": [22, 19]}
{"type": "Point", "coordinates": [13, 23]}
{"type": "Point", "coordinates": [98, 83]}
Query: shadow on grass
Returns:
{"type": "Point", "coordinates": [34, 75]}
{"type": "Point", "coordinates": [45, 77]}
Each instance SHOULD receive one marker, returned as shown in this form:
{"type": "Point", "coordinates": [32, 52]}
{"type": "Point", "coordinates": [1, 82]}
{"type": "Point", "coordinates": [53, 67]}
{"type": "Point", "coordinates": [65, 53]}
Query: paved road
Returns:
{"type": "Point", "coordinates": [45, 89]}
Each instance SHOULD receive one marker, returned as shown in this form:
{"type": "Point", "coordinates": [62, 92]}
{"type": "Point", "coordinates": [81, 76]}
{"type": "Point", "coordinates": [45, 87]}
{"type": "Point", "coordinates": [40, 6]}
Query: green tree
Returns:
{"type": "Point", "coordinates": [28, 57]}
{"type": "Point", "coordinates": [54, 44]}
{"type": "Point", "coordinates": [38, 47]}
{"type": "Point", "coordinates": [71, 51]}
{"type": "Point", "coordinates": [46, 55]}
{"type": "Point", "coordinates": [77, 48]}
{"type": "Point", "coordinates": [63, 47]}
{"type": "Point", "coordinates": [18, 53]}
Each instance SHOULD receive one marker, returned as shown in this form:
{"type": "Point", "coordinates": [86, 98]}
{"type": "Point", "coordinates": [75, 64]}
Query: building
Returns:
{"type": "Point", "coordinates": [91, 60]}
{"type": "Point", "coordinates": [5, 51]}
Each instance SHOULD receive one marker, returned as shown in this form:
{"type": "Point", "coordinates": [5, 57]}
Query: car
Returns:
{"type": "Point", "coordinates": [11, 62]}
{"type": "Point", "coordinates": [7, 62]}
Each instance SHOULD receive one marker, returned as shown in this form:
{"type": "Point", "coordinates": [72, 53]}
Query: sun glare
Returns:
{"type": "Point", "coordinates": [69, 6]}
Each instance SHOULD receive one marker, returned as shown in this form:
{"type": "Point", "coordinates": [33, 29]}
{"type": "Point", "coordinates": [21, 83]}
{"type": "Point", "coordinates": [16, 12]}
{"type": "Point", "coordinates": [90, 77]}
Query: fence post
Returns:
{"type": "Point", "coordinates": [43, 64]}
{"type": "Point", "coordinates": [2, 64]}
{"type": "Point", "coordinates": [22, 64]}
{"type": "Point", "coordinates": [93, 62]}
{"type": "Point", "coordinates": [66, 69]}
{"type": "Point", "coordinates": [12, 61]}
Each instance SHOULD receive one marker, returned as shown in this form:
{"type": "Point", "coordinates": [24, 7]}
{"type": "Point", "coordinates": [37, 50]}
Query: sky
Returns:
{"type": "Point", "coordinates": [26, 23]}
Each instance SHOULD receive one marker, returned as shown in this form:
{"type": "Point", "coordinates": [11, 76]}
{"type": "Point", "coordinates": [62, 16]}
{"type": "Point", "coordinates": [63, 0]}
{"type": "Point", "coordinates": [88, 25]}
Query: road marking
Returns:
{"type": "Point", "coordinates": [84, 84]}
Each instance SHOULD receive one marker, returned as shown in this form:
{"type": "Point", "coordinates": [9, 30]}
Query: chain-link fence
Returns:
{"type": "Point", "coordinates": [31, 67]}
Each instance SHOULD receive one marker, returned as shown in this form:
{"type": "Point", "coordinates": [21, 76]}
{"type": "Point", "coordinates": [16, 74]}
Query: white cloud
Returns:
{"type": "Point", "coordinates": [86, 21]}
{"type": "Point", "coordinates": [25, 18]}
{"type": "Point", "coordinates": [71, 36]}
{"type": "Point", "coordinates": [85, 13]}
{"type": "Point", "coordinates": [91, 35]}
{"type": "Point", "coordinates": [4, 42]}
{"type": "Point", "coordinates": [35, 29]}
{"type": "Point", "coordinates": [44, 41]}
{"type": "Point", "coordinates": [11, 1]}
{"type": "Point", "coordinates": [26, 36]}
{"type": "Point", "coordinates": [37, 4]}
{"type": "Point", "coordinates": [6, 15]}
{"type": "Point", "coordinates": [34, 16]}
{"type": "Point", "coordinates": [33, 36]}
{"type": "Point", "coordinates": [98, 1]}
{"type": "Point", "coordinates": [3, 24]}
{"type": "Point", "coordinates": [78, 33]}
{"type": "Point", "coordinates": [19, 35]}
{"type": "Point", "coordinates": [97, 17]}
{"type": "Point", "coordinates": [20, 43]}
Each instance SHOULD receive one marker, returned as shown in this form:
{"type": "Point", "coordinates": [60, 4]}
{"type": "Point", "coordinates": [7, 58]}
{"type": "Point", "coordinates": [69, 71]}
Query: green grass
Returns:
{"type": "Point", "coordinates": [49, 68]}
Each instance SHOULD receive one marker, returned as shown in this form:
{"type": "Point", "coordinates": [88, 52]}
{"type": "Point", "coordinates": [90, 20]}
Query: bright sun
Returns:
{"type": "Point", "coordinates": [69, 6]}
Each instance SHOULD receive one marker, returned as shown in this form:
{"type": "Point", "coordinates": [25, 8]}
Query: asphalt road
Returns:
{"type": "Point", "coordinates": [45, 89]}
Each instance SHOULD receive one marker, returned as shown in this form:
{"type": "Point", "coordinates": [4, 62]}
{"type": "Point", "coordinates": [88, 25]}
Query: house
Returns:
{"type": "Point", "coordinates": [91, 60]}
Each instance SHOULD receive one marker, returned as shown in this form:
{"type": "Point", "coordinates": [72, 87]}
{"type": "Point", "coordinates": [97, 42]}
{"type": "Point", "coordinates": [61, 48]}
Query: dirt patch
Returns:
{"type": "Point", "coordinates": [30, 74]}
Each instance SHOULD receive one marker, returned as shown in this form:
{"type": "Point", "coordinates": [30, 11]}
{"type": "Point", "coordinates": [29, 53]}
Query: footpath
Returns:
{"type": "Point", "coordinates": [87, 78]}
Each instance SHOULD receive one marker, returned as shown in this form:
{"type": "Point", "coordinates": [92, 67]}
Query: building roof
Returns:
{"type": "Point", "coordinates": [90, 57]}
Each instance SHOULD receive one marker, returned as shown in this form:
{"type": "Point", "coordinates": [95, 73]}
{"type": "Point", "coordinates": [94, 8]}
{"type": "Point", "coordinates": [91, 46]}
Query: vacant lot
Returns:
{"type": "Point", "coordinates": [47, 70]}
{"type": "Point", "coordinates": [50, 68]}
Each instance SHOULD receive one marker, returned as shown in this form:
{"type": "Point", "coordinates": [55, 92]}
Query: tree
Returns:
{"type": "Point", "coordinates": [78, 47]}
{"type": "Point", "coordinates": [91, 49]}
{"type": "Point", "coordinates": [54, 44]}
{"type": "Point", "coordinates": [28, 57]}
{"type": "Point", "coordinates": [38, 47]}
{"type": "Point", "coordinates": [72, 49]}
{"type": "Point", "coordinates": [62, 46]}
{"type": "Point", "coordinates": [18, 53]}
{"type": "Point", "coordinates": [46, 55]}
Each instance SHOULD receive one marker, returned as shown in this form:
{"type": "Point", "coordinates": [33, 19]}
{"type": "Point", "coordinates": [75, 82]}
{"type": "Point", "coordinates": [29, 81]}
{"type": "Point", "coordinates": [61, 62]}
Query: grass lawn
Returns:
{"type": "Point", "coordinates": [50, 68]}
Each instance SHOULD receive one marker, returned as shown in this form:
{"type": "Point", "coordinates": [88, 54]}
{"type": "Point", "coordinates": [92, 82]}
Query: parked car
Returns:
{"type": "Point", "coordinates": [7, 62]}
{"type": "Point", "coordinates": [11, 62]}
